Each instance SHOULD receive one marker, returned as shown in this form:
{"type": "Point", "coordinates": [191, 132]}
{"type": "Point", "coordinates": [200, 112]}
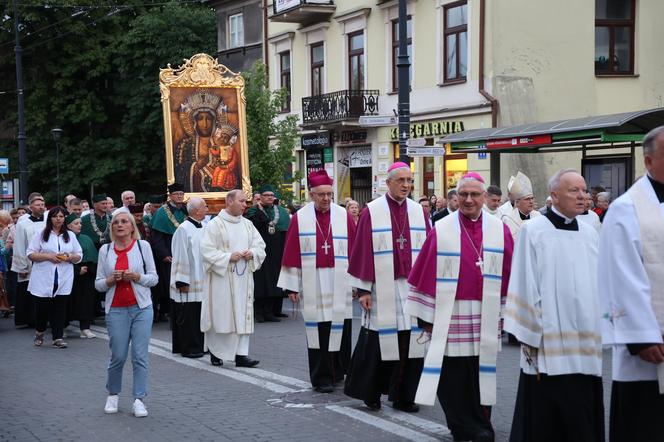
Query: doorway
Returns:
{"type": "Point", "coordinates": [360, 184]}
{"type": "Point", "coordinates": [614, 174]}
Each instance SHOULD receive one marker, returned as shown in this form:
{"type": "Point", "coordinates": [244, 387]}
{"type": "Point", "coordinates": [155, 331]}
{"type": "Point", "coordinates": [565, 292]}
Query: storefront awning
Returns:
{"type": "Point", "coordinates": [601, 132]}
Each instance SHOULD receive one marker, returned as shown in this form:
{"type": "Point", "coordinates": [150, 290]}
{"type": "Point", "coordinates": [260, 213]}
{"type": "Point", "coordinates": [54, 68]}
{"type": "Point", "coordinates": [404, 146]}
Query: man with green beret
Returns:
{"type": "Point", "coordinates": [162, 227]}
{"type": "Point", "coordinates": [96, 223]}
{"type": "Point", "coordinates": [272, 223]}
{"type": "Point", "coordinates": [155, 203]}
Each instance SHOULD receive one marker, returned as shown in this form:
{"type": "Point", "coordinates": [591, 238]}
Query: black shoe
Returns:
{"type": "Point", "coordinates": [193, 355]}
{"type": "Point", "coordinates": [216, 361]}
{"type": "Point", "coordinates": [408, 407]}
{"type": "Point", "coordinates": [244, 361]}
{"type": "Point", "coordinates": [272, 318]}
{"type": "Point", "coordinates": [281, 315]}
{"type": "Point", "coordinates": [324, 388]}
{"type": "Point", "coordinates": [484, 436]}
{"type": "Point", "coordinates": [373, 405]}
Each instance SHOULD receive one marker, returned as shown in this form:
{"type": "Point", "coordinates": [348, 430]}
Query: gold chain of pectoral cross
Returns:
{"type": "Point", "coordinates": [325, 245]}
{"type": "Point", "coordinates": [402, 239]}
{"type": "Point", "coordinates": [480, 262]}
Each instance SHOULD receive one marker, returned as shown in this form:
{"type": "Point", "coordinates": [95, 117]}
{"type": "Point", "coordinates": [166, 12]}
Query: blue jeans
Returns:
{"type": "Point", "coordinates": [129, 324]}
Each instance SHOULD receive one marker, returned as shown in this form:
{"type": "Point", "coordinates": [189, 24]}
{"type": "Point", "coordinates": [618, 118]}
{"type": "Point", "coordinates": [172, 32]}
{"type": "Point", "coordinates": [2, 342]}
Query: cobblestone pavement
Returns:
{"type": "Point", "coordinates": [50, 394]}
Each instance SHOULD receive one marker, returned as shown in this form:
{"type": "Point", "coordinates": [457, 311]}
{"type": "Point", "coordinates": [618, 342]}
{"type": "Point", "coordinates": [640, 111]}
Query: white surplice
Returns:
{"type": "Point", "coordinates": [552, 301]}
{"type": "Point", "coordinates": [227, 312]}
{"type": "Point", "coordinates": [514, 222]}
{"type": "Point", "coordinates": [25, 231]}
{"type": "Point", "coordinates": [187, 266]}
{"type": "Point", "coordinates": [625, 289]}
{"type": "Point", "coordinates": [592, 219]}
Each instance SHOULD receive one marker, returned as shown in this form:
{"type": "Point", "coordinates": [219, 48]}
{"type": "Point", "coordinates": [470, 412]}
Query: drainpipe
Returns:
{"type": "Point", "coordinates": [266, 59]}
{"type": "Point", "coordinates": [494, 157]}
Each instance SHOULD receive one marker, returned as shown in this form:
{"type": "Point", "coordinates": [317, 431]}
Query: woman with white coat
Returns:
{"type": "Point", "coordinates": [53, 251]}
{"type": "Point", "coordinates": [126, 271]}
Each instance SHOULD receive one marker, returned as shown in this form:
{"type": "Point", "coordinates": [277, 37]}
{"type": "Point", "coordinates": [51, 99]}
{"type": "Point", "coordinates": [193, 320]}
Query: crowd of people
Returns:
{"type": "Point", "coordinates": [438, 283]}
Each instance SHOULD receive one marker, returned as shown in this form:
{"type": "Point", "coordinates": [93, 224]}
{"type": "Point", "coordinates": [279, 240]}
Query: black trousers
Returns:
{"type": "Point", "coordinates": [459, 395]}
{"type": "Point", "coordinates": [277, 305]}
{"type": "Point", "coordinates": [24, 307]}
{"type": "Point", "coordinates": [637, 409]}
{"type": "Point", "coordinates": [264, 307]}
{"type": "Point", "coordinates": [51, 310]}
{"type": "Point", "coordinates": [559, 408]}
{"type": "Point", "coordinates": [326, 367]}
{"type": "Point", "coordinates": [369, 376]}
{"type": "Point", "coordinates": [186, 327]}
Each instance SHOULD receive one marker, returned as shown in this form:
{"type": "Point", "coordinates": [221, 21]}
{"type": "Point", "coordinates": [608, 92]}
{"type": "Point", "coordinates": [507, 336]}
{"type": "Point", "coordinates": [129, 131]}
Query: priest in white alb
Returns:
{"type": "Point", "coordinates": [553, 311]}
{"type": "Point", "coordinates": [631, 286]}
{"type": "Point", "coordinates": [589, 216]}
{"type": "Point", "coordinates": [314, 272]}
{"type": "Point", "coordinates": [458, 286]}
{"type": "Point", "coordinates": [524, 204]}
{"type": "Point", "coordinates": [231, 250]}
{"type": "Point", "coordinates": [387, 358]}
{"type": "Point", "coordinates": [186, 284]}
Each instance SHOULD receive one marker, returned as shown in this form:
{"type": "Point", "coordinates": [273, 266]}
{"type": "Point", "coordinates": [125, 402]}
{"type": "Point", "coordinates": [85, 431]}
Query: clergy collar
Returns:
{"type": "Point", "coordinates": [320, 211]}
{"type": "Point", "coordinates": [393, 199]}
{"type": "Point", "coordinates": [522, 216]}
{"type": "Point", "coordinates": [657, 187]}
{"type": "Point", "coordinates": [194, 222]}
{"type": "Point", "coordinates": [560, 221]}
{"type": "Point", "coordinates": [585, 212]}
{"type": "Point", "coordinates": [36, 219]}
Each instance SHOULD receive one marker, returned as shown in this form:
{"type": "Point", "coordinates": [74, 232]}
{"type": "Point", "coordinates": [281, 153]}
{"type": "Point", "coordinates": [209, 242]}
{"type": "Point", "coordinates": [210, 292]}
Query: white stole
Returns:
{"type": "Point", "coordinates": [381, 232]}
{"type": "Point", "coordinates": [651, 227]}
{"type": "Point", "coordinates": [306, 221]}
{"type": "Point", "coordinates": [448, 263]}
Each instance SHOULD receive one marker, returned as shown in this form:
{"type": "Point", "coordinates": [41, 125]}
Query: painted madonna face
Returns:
{"type": "Point", "coordinates": [204, 123]}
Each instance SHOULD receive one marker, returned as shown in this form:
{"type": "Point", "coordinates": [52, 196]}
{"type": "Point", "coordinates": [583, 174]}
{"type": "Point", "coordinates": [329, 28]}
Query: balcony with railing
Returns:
{"type": "Point", "coordinates": [303, 12]}
{"type": "Point", "coordinates": [339, 106]}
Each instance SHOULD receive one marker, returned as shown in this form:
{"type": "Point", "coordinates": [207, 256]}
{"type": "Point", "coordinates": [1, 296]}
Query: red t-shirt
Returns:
{"type": "Point", "coordinates": [124, 292]}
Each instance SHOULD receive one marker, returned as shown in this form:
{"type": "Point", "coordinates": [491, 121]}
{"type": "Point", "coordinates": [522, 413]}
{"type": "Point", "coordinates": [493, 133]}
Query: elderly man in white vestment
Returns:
{"type": "Point", "coordinates": [524, 204]}
{"type": "Point", "coordinates": [631, 282]}
{"type": "Point", "coordinates": [553, 311]}
{"type": "Point", "coordinates": [232, 250]}
{"type": "Point", "coordinates": [186, 284]}
{"type": "Point", "coordinates": [314, 269]}
{"type": "Point", "coordinates": [458, 285]}
{"type": "Point", "coordinates": [588, 216]}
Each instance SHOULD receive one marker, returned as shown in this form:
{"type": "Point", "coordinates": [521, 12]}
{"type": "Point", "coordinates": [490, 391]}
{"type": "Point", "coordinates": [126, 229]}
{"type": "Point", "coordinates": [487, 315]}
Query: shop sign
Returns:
{"type": "Point", "coordinates": [428, 151]}
{"type": "Point", "coordinates": [284, 5]}
{"type": "Point", "coordinates": [360, 157]}
{"type": "Point", "coordinates": [4, 165]}
{"type": "Point", "coordinates": [352, 136]}
{"type": "Point", "coordinates": [321, 139]}
{"type": "Point", "coordinates": [506, 143]}
{"type": "Point", "coordinates": [314, 160]}
{"type": "Point", "coordinates": [327, 155]}
{"type": "Point", "coordinates": [430, 129]}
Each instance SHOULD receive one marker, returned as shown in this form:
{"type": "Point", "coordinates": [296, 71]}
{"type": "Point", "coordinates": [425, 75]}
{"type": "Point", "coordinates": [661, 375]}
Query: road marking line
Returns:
{"type": "Point", "coordinates": [262, 379]}
{"type": "Point", "coordinates": [230, 373]}
{"type": "Point", "coordinates": [422, 424]}
{"type": "Point", "coordinates": [250, 371]}
{"type": "Point", "coordinates": [382, 424]}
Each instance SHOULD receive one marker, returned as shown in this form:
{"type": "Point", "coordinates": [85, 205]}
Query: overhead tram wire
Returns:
{"type": "Point", "coordinates": [31, 33]}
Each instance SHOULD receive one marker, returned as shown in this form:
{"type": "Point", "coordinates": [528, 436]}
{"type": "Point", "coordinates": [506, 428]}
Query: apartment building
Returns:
{"type": "Point", "coordinates": [475, 64]}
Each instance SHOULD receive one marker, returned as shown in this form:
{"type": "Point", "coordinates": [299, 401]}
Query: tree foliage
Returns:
{"type": "Point", "coordinates": [93, 71]}
{"type": "Point", "coordinates": [271, 137]}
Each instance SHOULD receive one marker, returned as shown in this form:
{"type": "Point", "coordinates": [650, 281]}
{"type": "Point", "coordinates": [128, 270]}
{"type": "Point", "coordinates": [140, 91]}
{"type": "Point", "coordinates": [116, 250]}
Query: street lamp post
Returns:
{"type": "Point", "coordinates": [403, 65]}
{"type": "Point", "coordinates": [57, 133]}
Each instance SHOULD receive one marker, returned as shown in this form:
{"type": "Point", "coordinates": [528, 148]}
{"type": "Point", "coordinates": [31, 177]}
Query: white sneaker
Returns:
{"type": "Point", "coordinates": [111, 404]}
{"type": "Point", "coordinates": [87, 334]}
{"type": "Point", "coordinates": [139, 408]}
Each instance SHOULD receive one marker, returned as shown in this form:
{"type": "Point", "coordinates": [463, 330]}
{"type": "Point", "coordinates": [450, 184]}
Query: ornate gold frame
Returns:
{"type": "Point", "coordinates": [204, 72]}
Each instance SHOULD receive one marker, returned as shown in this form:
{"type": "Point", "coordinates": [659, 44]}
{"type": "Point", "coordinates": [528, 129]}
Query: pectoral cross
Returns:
{"type": "Point", "coordinates": [325, 246]}
{"type": "Point", "coordinates": [480, 264]}
{"type": "Point", "coordinates": [401, 241]}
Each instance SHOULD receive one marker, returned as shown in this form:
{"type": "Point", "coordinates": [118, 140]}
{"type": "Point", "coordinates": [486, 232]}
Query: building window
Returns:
{"type": "Point", "coordinates": [317, 64]}
{"type": "Point", "coordinates": [614, 37]}
{"type": "Point", "coordinates": [285, 69]}
{"type": "Point", "coordinates": [236, 31]}
{"type": "Point", "coordinates": [455, 37]}
{"type": "Point", "coordinates": [356, 60]}
{"type": "Point", "coordinates": [395, 52]}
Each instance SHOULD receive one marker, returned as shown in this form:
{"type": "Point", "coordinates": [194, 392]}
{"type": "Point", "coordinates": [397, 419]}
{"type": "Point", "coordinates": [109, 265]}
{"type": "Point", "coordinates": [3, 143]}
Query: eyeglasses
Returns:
{"type": "Point", "coordinates": [323, 194]}
{"type": "Point", "coordinates": [473, 195]}
{"type": "Point", "coordinates": [403, 180]}
{"type": "Point", "coordinates": [267, 195]}
{"type": "Point", "coordinates": [177, 194]}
